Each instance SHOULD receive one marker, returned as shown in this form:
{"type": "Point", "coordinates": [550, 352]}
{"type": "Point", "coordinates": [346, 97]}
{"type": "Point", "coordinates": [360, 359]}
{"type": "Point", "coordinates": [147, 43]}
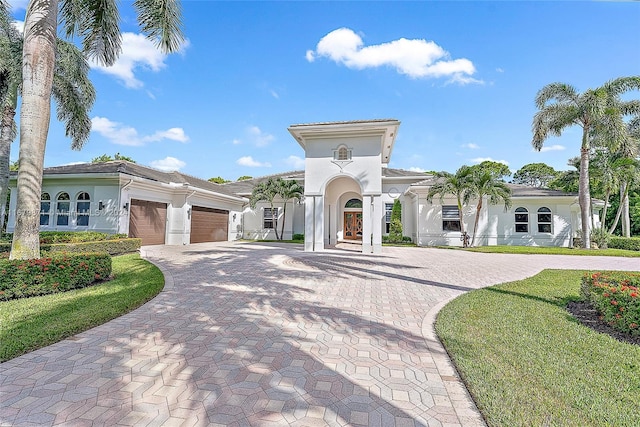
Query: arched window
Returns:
{"type": "Point", "coordinates": [83, 206]}
{"type": "Point", "coordinates": [62, 209]}
{"type": "Point", "coordinates": [342, 153]}
{"type": "Point", "coordinates": [45, 208]}
{"type": "Point", "coordinates": [544, 220]}
{"type": "Point", "coordinates": [354, 204]}
{"type": "Point", "coordinates": [522, 220]}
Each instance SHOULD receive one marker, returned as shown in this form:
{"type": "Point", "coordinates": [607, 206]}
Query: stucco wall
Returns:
{"type": "Point", "coordinates": [253, 221]}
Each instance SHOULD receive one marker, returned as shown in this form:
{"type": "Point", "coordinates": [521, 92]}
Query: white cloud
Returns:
{"type": "Point", "coordinates": [416, 169]}
{"type": "Point", "coordinates": [499, 70]}
{"type": "Point", "coordinates": [236, 142]}
{"type": "Point", "coordinates": [416, 58]}
{"type": "Point", "coordinates": [471, 146]}
{"type": "Point", "coordinates": [118, 133]}
{"type": "Point", "coordinates": [274, 94]}
{"type": "Point", "coordinates": [258, 137]}
{"type": "Point", "coordinates": [552, 148]}
{"type": "Point", "coordinates": [138, 52]}
{"type": "Point", "coordinates": [249, 162]}
{"type": "Point", "coordinates": [295, 162]}
{"type": "Point", "coordinates": [489, 159]}
{"type": "Point", "coordinates": [168, 164]}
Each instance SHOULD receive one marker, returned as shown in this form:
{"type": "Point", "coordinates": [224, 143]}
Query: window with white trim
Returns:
{"type": "Point", "coordinates": [269, 218]}
{"type": "Point", "coordinates": [544, 220]}
{"type": "Point", "coordinates": [83, 206]}
{"type": "Point", "coordinates": [450, 218]}
{"type": "Point", "coordinates": [522, 220]}
{"type": "Point", "coordinates": [63, 203]}
{"type": "Point", "coordinates": [342, 153]}
{"type": "Point", "coordinates": [388, 208]}
{"type": "Point", "coordinates": [45, 209]}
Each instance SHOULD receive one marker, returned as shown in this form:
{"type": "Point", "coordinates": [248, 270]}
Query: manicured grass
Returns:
{"type": "Point", "coordinates": [549, 251]}
{"type": "Point", "coordinates": [527, 362]}
{"type": "Point", "coordinates": [31, 323]}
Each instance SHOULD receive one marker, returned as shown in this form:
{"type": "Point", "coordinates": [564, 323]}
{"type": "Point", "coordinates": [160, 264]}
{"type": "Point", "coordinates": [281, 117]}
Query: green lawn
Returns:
{"type": "Point", "coordinates": [527, 362]}
{"type": "Point", "coordinates": [549, 251]}
{"type": "Point", "coordinates": [31, 323]}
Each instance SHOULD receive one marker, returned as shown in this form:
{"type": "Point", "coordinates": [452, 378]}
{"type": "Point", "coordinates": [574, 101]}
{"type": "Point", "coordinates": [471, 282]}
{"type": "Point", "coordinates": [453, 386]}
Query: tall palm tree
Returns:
{"type": "Point", "coordinates": [485, 184]}
{"type": "Point", "coordinates": [458, 185]}
{"type": "Point", "coordinates": [96, 25]}
{"type": "Point", "coordinates": [598, 112]}
{"type": "Point", "coordinates": [266, 191]}
{"type": "Point", "coordinates": [288, 190]}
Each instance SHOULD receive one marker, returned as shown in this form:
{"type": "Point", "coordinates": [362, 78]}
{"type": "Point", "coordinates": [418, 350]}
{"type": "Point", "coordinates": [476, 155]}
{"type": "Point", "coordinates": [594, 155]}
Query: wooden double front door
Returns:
{"type": "Point", "coordinates": [353, 225]}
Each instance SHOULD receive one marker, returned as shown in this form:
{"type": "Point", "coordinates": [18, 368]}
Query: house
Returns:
{"type": "Point", "coordinates": [349, 191]}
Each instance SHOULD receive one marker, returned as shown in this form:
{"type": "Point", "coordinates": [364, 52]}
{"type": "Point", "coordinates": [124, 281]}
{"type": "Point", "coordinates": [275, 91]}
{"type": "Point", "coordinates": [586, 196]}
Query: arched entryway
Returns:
{"type": "Point", "coordinates": [352, 220]}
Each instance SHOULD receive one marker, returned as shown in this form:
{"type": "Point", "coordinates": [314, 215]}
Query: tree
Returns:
{"type": "Point", "coordinates": [96, 24]}
{"type": "Point", "coordinates": [244, 178]}
{"type": "Point", "coordinates": [496, 169]}
{"type": "Point", "coordinates": [535, 175]}
{"type": "Point", "coordinates": [107, 158]}
{"type": "Point", "coordinates": [457, 185]}
{"type": "Point", "coordinates": [484, 184]}
{"type": "Point", "coordinates": [266, 191]}
{"type": "Point", "coordinates": [395, 226]}
{"type": "Point", "coordinates": [288, 190]}
{"type": "Point", "coordinates": [218, 180]}
{"type": "Point", "coordinates": [598, 112]}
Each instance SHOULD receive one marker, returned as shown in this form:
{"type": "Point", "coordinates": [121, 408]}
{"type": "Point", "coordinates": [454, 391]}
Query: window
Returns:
{"type": "Point", "coordinates": [450, 218]}
{"type": "Point", "coordinates": [270, 216]}
{"type": "Point", "coordinates": [388, 207]}
{"type": "Point", "coordinates": [83, 205]}
{"type": "Point", "coordinates": [342, 153]}
{"type": "Point", "coordinates": [62, 209]}
{"type": "Point", "coordinates": [522, 220]}
{"type": "Point", "coordinates": [354, 204]}
{"type": "Point", "coordinates": [544, 220]}
{"type": "Point", "coordinates": [45, 208]}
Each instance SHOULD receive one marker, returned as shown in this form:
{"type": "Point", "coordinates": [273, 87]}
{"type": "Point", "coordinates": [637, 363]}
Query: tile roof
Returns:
{"type": "Point", "coordinates": [346, 122]}
{"type": "Point", "coordinates": [517, 190]}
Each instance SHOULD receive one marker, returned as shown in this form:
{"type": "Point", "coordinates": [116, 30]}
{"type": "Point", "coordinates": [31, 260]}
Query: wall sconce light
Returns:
{"type": "Point", "coordinates": [234, 217]}
{"type": "Point", "coordinates": [126, 206]}
{"type": "Point", "coordinates": [189, 213]}
{"type": "Point", "coordinates": [100, 205]}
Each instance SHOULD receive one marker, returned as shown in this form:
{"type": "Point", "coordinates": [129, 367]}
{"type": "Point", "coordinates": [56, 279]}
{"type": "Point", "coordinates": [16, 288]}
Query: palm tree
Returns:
{"type": "Point", "coordinates": [485, 184]}
{"type": "Point", "coordinates": [455, 184]}
{"type": "Point", "coordinates": [598, 112]}
{"type": "Point", "coordinates": [288, 190]}
{"type": "Point", "coordinates": [266, 191]}
{"type": "Point", "coordinates": [96, 24]}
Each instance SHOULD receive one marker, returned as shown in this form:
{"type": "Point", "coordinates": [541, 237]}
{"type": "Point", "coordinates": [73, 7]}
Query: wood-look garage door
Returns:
{"type": "Point", "coordinates": [147, 221]}
{"type": "Point", "coordinates": [209, 225]}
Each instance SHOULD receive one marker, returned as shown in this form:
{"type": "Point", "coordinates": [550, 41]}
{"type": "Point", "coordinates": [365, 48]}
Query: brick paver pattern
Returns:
{"type": "Point", "coordinates": [268, 335]}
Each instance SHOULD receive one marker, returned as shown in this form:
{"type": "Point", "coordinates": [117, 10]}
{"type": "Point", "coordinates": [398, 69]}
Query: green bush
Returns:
{"type": "Point", "coordinates": [628, 243]}
{"type": "Point", "coordinates": [112, 247]}
{"type": "Point", "coordinates": [405, 240]}
{"type": "Point", "coordinates": [50, 237]}
{"type": "Point", "coordinates": [58, 273]}
{"type": "Point", "coordinates": [616, 297]}
{"type": "Point", "coordinates": [298, 237]}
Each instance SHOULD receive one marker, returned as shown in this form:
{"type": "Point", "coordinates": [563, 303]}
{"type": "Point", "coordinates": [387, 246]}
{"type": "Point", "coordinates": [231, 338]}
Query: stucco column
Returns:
{"type": "Point", "coordinates": [366, 224]}
{"type": "Point", "coordinates": [309, 223]}
{"type": "Point", "coordinates": [319, 221]}
{"type": "Point", "coordinates": [376, 224]}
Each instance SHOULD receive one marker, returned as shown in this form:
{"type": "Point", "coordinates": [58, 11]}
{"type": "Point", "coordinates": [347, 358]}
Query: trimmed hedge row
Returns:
{"type": "Point", "coordinates": [58, 273]}
{"type": "Point", "coordinates": [616, 296]}
{"type": "Point", "coordinates": [112, 247]}
{"type": "Point", "coordinates": [51, 237]}
{"type": "Point", "coordinates": [628, 243]}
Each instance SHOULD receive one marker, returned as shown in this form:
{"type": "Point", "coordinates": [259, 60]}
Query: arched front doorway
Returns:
{"type": "Point", "coordinates": [352, 220]}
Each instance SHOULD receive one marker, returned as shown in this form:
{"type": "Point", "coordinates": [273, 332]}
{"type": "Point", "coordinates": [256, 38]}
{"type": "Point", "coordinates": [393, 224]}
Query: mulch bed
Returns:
{"type": "Point", "coordinates": [588, 316]}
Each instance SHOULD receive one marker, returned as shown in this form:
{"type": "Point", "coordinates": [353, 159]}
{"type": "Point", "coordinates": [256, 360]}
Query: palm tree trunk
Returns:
{"type": "Point", "coordinates": [284, 217]}
{"type": "Point", "coordinates": [464, 241]}
{"type": "Point", "coordinates": [623, 194]}
{"type": "Point", "coordinates": [584, 195]}
{"type": "Point", "coordinates": [475, 222]}
{"type": "Point", "coordinates": [603, 220]}
{"type": "Point", "coordinates": [275, 221]}
{"type": "Point", "coordinates": [6, 127]}
{"type": "Point", "coordinates": [626, 221]}
{"type": "Point", "coordinates": [38, 62]}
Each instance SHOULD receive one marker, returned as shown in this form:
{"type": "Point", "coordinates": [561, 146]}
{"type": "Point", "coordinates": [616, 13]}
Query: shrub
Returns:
{"type": "Point", "coordinates": [298, 237]}
{"type": "Point", "coordinates": [50, 237]}
{"type": "Point", "coordinates": [405, 240]}
{"type": "Point", "coordinates": [58, 273]}
{"type": "Point", "coordinates": [628, 243]}
{"type": "Point", "coordinates": [616, 296]}
{"type": "Point", "coordinates": [111, 246]}
{"type": "Point", "coordinates": [600, 237]}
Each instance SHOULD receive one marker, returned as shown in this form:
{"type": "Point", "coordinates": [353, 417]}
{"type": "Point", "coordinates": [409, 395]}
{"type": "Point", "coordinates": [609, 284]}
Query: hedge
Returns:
{"type": "Point", "coordinates": [616, 296]}
{"type": "Point", "coordinates": [50, 237]}
{"type": "Point", "coordinates": [112, 247]}
{"type": "Point", "coordinates": [58, 273]}
{"type": "Point", "coordinates": [628, 243]}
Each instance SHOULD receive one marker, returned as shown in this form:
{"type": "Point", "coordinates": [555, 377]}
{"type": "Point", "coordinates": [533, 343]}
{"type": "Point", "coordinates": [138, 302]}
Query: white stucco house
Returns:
{"type": "Point", "coordinates": [348, 195]}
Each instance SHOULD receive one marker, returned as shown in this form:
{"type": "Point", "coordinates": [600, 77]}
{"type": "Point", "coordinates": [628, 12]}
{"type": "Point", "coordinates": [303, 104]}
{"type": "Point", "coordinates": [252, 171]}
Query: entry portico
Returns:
{"type": "Point", "coordinates": [343, 180]}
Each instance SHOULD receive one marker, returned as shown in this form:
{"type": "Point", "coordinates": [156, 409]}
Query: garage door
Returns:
{"type": "Point", "coordinates": [147, 221]}
{"type": "Point", "coordinates": [209, 225]}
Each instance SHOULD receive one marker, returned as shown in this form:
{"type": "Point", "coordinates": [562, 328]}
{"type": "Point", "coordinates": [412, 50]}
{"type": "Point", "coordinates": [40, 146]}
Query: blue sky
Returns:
{"type": "Point", "coordinates": [460, 76]}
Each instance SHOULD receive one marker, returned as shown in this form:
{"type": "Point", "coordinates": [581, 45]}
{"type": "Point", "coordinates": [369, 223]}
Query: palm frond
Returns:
{"type": "Point", "coordinates": [560, 92]}
{"type": "Point", "coordinates": [98, 27]}
{"type": "Point", "coordinates": [161, 21]}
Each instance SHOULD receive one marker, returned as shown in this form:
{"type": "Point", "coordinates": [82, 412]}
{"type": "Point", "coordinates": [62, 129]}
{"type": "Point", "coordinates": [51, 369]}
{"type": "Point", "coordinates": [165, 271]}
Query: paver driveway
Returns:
{"type": "Point", "coordinates": [265, 334]}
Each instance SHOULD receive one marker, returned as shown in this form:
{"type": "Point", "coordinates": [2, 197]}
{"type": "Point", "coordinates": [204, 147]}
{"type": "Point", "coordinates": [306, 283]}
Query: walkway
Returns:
{"type": "Point", "coordinates": [267, 335]}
